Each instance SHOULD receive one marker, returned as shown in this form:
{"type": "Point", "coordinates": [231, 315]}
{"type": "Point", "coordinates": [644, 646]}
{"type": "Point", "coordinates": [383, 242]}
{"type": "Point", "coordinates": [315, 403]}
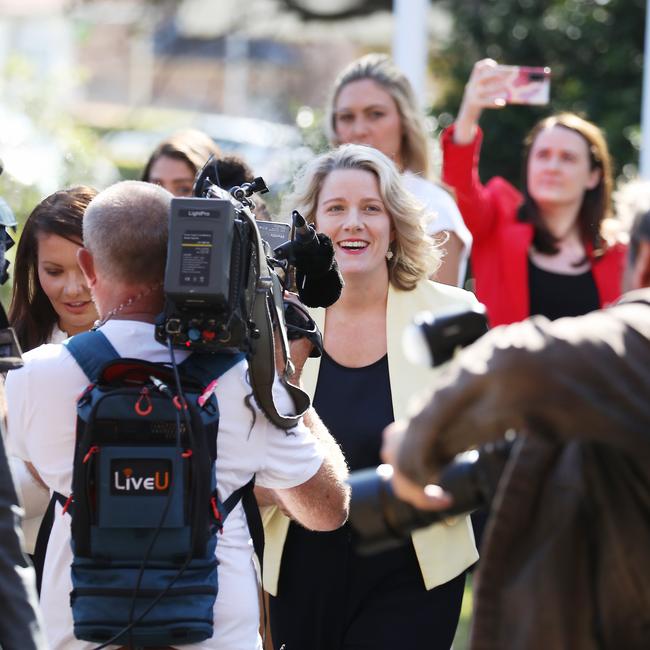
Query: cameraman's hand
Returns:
{"type": "Point", "coordinates": [429, 497]}
{"type": "Point", "coordinates": [485, 88]}
{"type": "Point", "coordinates": [299, 349]}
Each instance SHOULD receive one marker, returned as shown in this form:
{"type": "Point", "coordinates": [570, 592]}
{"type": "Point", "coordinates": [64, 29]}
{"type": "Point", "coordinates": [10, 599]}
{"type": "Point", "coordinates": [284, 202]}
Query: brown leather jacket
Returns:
{"type": "Point", "coordinates": [566, 555]}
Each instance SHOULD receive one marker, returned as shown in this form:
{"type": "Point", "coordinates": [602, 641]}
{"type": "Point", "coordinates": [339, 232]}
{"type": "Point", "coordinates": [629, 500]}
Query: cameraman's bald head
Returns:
{"type": "Point", "coordinates": [125, 229]}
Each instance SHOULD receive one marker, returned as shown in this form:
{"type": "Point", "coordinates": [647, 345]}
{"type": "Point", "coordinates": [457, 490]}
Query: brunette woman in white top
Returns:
{"type": "Point", "coordinates": [50, 302]}
{"type": "Point", "coordinates": [373, 103]}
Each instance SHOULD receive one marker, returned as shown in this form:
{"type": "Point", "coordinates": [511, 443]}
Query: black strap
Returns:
{"type": "Point", "coordinates": [42, 539]}
{"type": "Point", "coordinates": [254, 520]}
{"type": "Point", "coordinates": [252, 512]}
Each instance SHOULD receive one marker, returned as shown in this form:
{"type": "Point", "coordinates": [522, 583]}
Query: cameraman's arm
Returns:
{"type": "Point", "coordinates": [584, 377]}
{"type": "Point", "coordinates": [321, 502]}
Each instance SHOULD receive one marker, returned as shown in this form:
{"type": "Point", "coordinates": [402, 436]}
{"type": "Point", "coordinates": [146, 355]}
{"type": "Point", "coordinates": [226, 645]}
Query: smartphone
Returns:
{"type": "Point", "coordinates": [274, 233]}
{"type": "Point", "coordinates": [528, 85]}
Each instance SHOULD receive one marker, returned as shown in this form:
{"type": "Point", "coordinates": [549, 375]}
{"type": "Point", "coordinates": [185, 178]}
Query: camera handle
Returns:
{"type": "Point", "coordinates": [268, 308]}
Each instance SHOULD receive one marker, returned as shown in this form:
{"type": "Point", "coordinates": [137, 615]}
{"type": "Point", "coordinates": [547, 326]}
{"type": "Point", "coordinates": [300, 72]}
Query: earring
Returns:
{"type": "Point", "coordinates": [389, 254]}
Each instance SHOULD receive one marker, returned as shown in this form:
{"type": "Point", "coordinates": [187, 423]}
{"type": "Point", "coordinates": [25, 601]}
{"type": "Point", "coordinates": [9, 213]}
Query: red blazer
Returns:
{"type": "Point", "coordinates": [501, 243]}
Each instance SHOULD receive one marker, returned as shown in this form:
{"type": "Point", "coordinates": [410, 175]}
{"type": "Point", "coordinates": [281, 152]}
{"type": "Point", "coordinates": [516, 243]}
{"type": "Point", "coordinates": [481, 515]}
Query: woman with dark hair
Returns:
{"type": "Point", "coordinates": [50, 302]}
{"type": "Point", "coordinates": [174, 163]}
{"type": "Point", "coordinates": [546, 250]}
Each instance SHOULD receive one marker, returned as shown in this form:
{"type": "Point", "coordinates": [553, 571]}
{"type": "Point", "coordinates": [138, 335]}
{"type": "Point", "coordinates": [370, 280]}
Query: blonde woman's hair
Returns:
{"type": "Point", "coordinates": [414, 152]}
{"type": "Point", "coordinates": [415, 255]}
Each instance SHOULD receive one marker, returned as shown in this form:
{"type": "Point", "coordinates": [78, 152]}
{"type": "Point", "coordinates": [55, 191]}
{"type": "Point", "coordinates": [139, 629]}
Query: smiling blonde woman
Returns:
{"type": "Point", "coordinates": [324, 595]}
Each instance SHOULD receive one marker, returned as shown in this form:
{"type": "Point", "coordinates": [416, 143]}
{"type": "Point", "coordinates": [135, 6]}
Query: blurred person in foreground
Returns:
{"type": "Point", "coordinates": [304, 470]}
{"type": "Point", "coordinates": [565, 561]}
{"type": "Point", "coordinates": [325, 595]}
{"type": "Point", "coordinates": [20, 625]}
{"type": "Point", "coordinates": [373, 103]}
{"type": "Point", "coordinates": [550, 249]}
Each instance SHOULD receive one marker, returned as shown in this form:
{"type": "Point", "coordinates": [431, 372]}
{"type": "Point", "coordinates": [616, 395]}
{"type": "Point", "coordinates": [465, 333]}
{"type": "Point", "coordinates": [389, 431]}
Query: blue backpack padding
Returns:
{"type": "Point", "coordinates": [146, 513]}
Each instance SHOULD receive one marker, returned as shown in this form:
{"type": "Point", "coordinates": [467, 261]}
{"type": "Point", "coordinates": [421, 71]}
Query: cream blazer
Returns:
{"type": "Point", "coordinates": [443, 550]}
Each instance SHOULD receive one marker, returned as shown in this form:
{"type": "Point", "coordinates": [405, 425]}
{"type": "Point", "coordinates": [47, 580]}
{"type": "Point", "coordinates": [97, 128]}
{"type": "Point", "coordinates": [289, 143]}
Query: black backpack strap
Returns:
{"type": "Point", "coordinates": [252, 512]}
{"type": "Point", "coordinates": [92, 351]}
{"type": "Point", "coordinates": [254, 519]}
{"type": "Point", "coordinates": [42, 539]}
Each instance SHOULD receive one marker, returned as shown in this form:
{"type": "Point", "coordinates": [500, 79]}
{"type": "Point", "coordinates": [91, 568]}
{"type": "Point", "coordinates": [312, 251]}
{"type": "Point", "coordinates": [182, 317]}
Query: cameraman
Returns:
{"type": "Point", "coordinates": [565, 560]}
{"type": "Point", "coordinates": [123, 260]}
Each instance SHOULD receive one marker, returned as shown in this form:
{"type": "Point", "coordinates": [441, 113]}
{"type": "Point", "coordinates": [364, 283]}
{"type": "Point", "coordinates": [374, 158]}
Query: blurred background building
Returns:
{"type": "Point", "coordinates": [88, 86]}
{"type": "Point", "coordinates": [253, 73]}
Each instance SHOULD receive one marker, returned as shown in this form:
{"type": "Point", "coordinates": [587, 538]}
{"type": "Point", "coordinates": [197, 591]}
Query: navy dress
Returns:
{"type": "Point", "coordinates": [330, 598]}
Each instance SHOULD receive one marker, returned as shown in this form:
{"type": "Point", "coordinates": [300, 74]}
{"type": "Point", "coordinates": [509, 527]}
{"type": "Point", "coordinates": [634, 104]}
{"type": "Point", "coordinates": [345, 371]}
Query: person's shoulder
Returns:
{"type": "Point", "coordinates": [636, 296]}
{"type": "Point", "coordinates": [428, 294]}
{"type": "Point", "coordinates": [46, 354]}
{"type": "Point", "coordinates": [425, 189]}
{"type": "Point", "coordinates": [446, 292]}
{"type": "Point", "coordinates": [45, 365]}
{"type": "Point", "coordinates": [504, 191]}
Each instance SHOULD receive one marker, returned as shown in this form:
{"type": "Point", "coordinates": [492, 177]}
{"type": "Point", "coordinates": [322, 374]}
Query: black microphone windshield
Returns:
{"type": "Point", "coordinates": [316, 257]}
{"type": "Point", "coordinates": [320, 291]}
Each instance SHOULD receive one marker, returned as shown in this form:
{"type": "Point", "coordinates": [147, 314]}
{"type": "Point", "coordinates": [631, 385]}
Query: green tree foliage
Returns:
{"type": "Point", "coordinates": [595, 51]}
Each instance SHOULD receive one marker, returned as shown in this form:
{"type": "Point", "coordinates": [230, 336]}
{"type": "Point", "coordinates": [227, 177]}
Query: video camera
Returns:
{"type": "Point", "coordinates": [224, 287]}
{"type": "Point", "coordinates": [381, 521]}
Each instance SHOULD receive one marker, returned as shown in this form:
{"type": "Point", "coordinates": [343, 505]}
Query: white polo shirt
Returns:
{"type": "Point", "coordinates": [444, 215]}
{"type": "Point", "coordinates": [41, 400]}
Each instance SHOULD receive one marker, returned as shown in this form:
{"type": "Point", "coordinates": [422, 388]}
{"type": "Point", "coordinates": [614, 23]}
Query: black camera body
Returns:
{"type": "Point", "coordinates": [210, 278]}
{"type": "Point", "coordinates": [222, 293]}
{"type": "Point", "coordinates": [380, 521]}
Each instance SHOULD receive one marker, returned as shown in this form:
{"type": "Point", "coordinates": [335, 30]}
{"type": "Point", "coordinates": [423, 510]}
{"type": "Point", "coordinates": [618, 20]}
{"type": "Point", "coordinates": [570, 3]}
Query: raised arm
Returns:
{"type": "Point", "coordinates": [484, 89]}
{"type": "Point", "coordinates": [461, 146]}
{"type": "Point", "coordinates": [322, 502]}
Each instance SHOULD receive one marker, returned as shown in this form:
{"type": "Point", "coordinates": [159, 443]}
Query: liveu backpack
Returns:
{"type": "Point", "coordinates": [144, 506]}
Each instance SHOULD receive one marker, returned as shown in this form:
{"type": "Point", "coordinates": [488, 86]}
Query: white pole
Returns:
{"type": "Point", "coordinates": [410, 45]}
{"type": "Point", "coordinates": [644, 158]}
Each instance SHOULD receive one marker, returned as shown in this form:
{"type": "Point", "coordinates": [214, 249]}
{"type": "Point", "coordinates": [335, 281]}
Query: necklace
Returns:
{"type": "Point", "coordinates": [127, 303]}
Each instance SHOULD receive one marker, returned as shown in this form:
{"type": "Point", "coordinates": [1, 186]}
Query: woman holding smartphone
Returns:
{"type": "Point", "coordinates": [325, 595]}
{"type": "Point", "coordinates": [545, 250]}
